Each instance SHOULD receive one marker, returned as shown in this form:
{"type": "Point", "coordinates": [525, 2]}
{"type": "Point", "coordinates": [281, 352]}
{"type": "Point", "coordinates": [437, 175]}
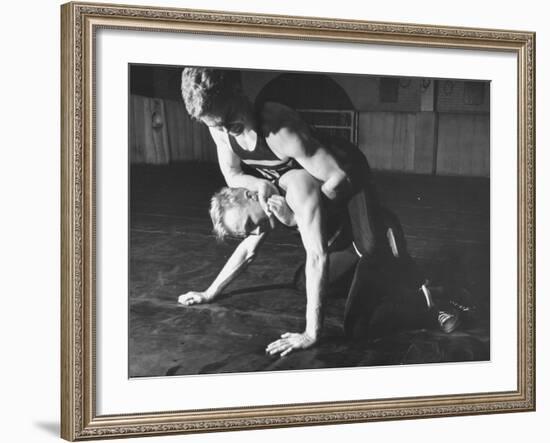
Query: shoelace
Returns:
{"type": "Point", "coordinates": [443, 316]}
{"type": "Point", "coordinates": [461, 307]}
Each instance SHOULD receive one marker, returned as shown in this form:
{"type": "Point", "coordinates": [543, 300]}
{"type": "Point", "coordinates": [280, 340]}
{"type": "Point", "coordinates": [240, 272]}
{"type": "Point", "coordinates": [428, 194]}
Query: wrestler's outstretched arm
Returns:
{"type": "Point", "coordinates": [243, 255]}
{"type": "Point", "coordinates": [230, 166]}
{"type": "Point", "coordinates": [304, 198]}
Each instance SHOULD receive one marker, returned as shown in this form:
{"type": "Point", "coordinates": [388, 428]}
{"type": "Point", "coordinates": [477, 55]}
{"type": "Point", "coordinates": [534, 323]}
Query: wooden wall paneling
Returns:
{"type": "Point", "coordinates": [398, 143]}
{"type": "Point", "coordinates": [424, 142]}
{"type": "Point", "coordinates": [370, 139]}
{"type": "Point", "coordinates": [147, 144]}
{"type": "Point", "coordinates": [408, 131]}
{"type": "Point", "coordinates": [188, 147]}
{"type": "Point", "coordinates": [175, 131]}
{"type": "Point", "coordinates": [182, 128]}
{"type": "Point", "coordinates": [448, 148]}
{"type": "Point", "coordinates": [373, 141]}
{"type": "Point", "coordinates": [388, 139]}
{"type": "Point", "coordinates": [131, 130]}
{"type": "Point", "coordinates": [384, 124]}
{"type": "Point", "coordinates": [159, 130]}
{"type": "Point", "coordinates": [138, 104]}
{"type": "Point", "coordinates": [148, 154]}
{"type": "Point", "coordinates": [185, 134]}
{"type": "Point", "coordinates": [463, 147]}
{"type": "Point", "coordinates": [189, 140]}
{"type": "Point", "coordinates": [466, 128]}
{"type": "Point", "coordinates": [391, 141]}
{"type": "Point", "coordinates": [481, 153]}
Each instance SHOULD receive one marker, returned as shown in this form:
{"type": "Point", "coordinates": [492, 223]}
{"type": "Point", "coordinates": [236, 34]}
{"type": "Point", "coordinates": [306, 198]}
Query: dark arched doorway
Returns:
{"type": "Point", "coordinates": [306, 91]}
{"type": "Point", "coordinates": [321, 101]}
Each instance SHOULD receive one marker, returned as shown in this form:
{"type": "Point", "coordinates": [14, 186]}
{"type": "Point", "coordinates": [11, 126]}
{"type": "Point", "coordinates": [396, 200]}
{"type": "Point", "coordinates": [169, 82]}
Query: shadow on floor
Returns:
{"type": "Point", "coordinates": [446, 223]}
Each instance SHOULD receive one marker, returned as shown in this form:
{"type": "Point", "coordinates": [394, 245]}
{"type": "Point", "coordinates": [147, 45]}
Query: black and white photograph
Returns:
{"type": "Point", "coordinates": [275, 221]}
{"type": "Point", "coordinates": [303, 220]}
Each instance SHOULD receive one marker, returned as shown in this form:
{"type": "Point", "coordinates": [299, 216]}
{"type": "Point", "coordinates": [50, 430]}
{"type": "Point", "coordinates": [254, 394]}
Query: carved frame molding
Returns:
{"type": "Point", "coordinates": [79, 24]}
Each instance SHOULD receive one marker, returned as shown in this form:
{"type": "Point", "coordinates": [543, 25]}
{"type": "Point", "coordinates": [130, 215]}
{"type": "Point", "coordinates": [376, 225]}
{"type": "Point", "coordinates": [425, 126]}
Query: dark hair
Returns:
{"type": "Point", "coordinates": [203, 88]}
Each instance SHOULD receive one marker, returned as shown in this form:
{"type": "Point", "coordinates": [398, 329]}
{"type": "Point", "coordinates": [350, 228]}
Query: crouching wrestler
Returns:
{"type": "Point", "coordinates": [326, 236]}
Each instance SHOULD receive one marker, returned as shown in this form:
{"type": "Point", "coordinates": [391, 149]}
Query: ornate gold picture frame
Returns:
{"type": "Point", "coordinates": [79, 417]}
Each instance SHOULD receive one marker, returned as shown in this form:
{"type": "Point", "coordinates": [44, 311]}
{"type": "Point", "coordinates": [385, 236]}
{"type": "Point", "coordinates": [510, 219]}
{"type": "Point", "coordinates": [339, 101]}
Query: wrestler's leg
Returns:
{"type": "Point", "coordinates": [399, 312]}
{"type": "Point", "coordinates": [364, 220]}
{"type": "Point", "coordinates": [380, 302]}
{"type": "Point", "coordinates": [363, 210]}
{"type": "Point", "coordinates": [340, 262]}
{"type": "Point", "coordinates": [384, 271]}
{"type": "Point", "coordinates": [403, 263]}
{"type": "Point", "coordinates": [363, 296]}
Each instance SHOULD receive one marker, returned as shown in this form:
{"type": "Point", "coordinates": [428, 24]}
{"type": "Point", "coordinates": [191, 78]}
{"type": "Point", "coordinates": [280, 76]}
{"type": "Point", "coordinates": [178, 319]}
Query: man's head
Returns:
{"type": "Point", "coordinates": [215, 97]}
{"type": "Point", "coordinates": [236, 212]}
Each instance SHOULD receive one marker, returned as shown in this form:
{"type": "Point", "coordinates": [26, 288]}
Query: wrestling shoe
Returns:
{"type": "Point", "coordinates": [448, 316]}
{"type": "Point", "coordinates": [448, 320]}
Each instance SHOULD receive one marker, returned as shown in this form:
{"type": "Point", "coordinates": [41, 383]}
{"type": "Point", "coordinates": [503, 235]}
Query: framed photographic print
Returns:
{"type": "Point", "coordinates": [282, 221]}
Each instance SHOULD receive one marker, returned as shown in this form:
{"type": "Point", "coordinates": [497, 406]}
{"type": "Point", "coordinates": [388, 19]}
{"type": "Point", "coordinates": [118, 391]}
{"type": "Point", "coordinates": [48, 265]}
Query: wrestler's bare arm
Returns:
{"type": "Point", "coordinates": [289, 136]}
{"type": "Point", "coordinates": [304, 198]}
{"type": "Point", "coordinates": [230, 166]}
{"type": "Point", "coordinates": [243, 255]}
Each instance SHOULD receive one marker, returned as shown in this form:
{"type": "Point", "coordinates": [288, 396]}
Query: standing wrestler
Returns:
{"type": "Point", "coordinates": [273, 140]}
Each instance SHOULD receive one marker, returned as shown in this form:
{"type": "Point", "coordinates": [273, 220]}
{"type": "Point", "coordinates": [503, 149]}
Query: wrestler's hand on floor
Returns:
{"type": "Point", "coordinates": [194, 298]}
{"type": "Point", "coordinates": [290, 341]}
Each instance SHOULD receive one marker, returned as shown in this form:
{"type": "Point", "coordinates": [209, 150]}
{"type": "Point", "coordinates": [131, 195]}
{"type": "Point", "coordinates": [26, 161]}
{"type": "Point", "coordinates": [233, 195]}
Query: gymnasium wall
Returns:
{"type": "Point", "coordinates": [411, 125]}
{"type": "Point", "coordinates": [162, 132]}
{"type": "Point", "coordinates": [426, 142]}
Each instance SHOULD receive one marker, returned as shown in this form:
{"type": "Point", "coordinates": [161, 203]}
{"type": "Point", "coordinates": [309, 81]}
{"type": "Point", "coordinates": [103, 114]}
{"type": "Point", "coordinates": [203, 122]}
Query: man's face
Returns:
{"type": "Point", "coordinates": [230, 116]}
{"type": "Point", "coordinates": [247, 217]}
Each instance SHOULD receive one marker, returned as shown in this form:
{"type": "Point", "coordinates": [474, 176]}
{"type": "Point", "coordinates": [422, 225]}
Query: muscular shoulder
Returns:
{"type": "Point", "coordinates": [302, 190]}
{"type": "Point", "coordinates": [285, 130]}
{"type": "Point", "coordinates": [275, 116]}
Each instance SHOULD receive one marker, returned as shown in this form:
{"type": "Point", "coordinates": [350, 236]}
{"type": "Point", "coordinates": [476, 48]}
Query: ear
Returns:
{"type": "Point", "coordinates": [251, 195]}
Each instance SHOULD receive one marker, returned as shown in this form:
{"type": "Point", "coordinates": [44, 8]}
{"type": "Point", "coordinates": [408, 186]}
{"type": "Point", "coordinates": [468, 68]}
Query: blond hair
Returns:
{"type": "Point", "coordinates": [220, 202]}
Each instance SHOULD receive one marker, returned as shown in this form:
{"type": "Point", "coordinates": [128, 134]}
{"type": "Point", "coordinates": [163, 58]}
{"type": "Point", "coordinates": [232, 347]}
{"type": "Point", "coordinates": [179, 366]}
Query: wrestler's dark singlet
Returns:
{"type": "Point", "coordinates": [362, 222]}
{"type": "Point", "coordinates": [263, 160]}
{"type": "Point", "coordinates": [362, 207]}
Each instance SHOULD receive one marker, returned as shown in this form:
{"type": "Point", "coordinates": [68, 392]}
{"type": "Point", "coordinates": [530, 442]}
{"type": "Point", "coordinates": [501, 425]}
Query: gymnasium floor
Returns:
{"type": "Point", "coordinates": [446, 223]}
